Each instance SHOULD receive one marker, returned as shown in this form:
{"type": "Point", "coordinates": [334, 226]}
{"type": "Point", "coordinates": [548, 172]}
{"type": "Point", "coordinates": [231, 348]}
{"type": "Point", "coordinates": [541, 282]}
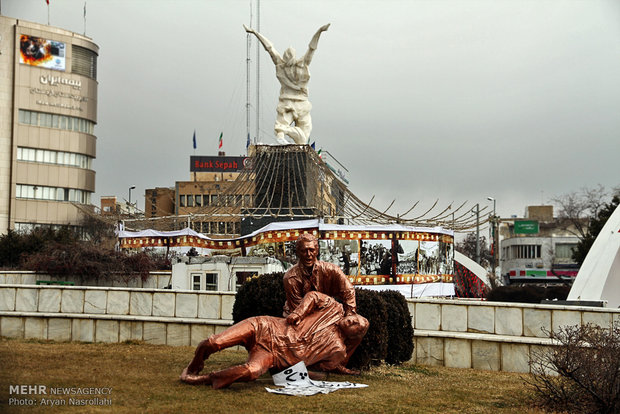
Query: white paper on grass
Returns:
{"type": "Point", "coordinates": [295, 381]}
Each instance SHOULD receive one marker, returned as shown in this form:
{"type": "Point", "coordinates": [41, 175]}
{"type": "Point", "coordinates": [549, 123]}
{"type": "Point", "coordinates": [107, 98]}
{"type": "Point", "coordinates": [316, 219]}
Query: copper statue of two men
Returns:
{"type": "Point", "coordinates": [315, 329]}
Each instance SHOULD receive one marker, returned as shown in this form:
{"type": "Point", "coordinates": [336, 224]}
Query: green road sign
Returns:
{"type": "Point", "coordinates": [526, 227]}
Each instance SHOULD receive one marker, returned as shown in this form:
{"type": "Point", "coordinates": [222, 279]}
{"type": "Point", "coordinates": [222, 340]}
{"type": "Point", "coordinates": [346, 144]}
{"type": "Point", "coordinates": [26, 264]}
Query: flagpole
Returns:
{"type": "Point", "coordinates": [48, 13]}
{"type": "Point", "coordinates": [84, 18]}
{"type": "Point", "coordinates": [194, 145]}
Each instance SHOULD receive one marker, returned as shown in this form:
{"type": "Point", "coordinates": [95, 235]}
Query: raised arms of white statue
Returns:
{"type": "Point", "coordinates": [275, 56]}
{"type": "Point", "coordinates": [314, 43]}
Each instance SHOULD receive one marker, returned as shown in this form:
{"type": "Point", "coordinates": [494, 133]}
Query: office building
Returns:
{"type": "Point", "coordinates": [48, 113]}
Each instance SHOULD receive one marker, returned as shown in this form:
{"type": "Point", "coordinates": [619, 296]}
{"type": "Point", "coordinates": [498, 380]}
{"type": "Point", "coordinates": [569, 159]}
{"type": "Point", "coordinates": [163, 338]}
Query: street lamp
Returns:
{"type": "Point", "coordinates": [493, 234]}
{"type": "Point", "coordinates": [130, 188]}
{"type": "Point", "coordinates": [477, 212]}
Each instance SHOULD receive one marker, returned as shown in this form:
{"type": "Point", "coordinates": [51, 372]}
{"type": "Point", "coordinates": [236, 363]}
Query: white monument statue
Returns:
{"type": "Point", "coordinates": [293, 74]}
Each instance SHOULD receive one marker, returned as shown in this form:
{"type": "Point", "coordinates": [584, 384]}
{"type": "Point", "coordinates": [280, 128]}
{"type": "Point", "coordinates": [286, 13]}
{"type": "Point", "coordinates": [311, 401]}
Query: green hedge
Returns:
{"type": "Point", "coordinates": [528, 294]}
{"type": "Point", "coordinates": [374, 346]}
{"type": "Point", "coordinates": [390, 335]}
{"type": "Point", "coordinates": [262, 295]}
{"type": "Point", "coordinates": [399, 327]}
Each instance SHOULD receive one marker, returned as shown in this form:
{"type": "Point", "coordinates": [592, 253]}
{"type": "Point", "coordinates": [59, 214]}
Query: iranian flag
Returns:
{"type": "Point", "coordinates": [221, 140]}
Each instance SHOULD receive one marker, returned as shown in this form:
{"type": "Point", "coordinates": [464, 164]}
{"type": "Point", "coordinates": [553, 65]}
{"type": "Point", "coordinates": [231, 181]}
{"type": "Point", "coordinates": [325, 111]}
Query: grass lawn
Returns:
{"type": "Point", "coordinates": [144, 378]}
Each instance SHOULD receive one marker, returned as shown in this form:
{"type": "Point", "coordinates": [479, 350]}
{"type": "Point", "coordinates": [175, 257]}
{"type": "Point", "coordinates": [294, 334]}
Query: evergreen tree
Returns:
{"type": "Point", "coordinates": [594, 228]}
{"type": "Point", "coordinates": [468, 247]}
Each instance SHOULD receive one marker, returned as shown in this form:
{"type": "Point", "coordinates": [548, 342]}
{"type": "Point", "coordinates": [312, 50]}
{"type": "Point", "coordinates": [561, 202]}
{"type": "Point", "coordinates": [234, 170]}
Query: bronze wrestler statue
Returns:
{"type": "Point", "coordinates": [317, 332]}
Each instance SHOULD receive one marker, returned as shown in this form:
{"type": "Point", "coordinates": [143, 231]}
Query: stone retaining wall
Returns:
{"type": "Point", "coordinates": [156, 280]}
{"type": "Point", "coordinates": [451, 333]}
{"type": "Point", "coordinates": [95, 314]}
{"type": "Point", "coordinates": [492, 335]}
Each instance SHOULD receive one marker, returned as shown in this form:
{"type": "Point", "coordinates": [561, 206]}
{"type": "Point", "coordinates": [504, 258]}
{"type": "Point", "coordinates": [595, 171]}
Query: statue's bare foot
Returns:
{"type": "Point", "coordinates": [194, 379]}
{"type": "Point", "coordinates": [195, 366]}
{"type": "Point", "coordinates": [184, 375]}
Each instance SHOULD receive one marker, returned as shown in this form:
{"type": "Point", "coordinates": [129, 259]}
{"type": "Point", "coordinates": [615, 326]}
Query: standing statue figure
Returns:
{"type": "Point", "coordinates": [311, 274]}
{"type": "Point", "coordinates": [294, 75]}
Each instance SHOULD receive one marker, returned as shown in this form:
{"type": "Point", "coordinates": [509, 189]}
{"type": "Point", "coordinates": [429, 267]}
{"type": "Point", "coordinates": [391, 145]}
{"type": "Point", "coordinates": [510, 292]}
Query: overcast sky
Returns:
{"type": "Point", "coordinates": [420, 100]}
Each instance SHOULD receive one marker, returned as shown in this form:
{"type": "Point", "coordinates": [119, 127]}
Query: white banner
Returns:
{"type": "Point", "coordinates": [295, 381]}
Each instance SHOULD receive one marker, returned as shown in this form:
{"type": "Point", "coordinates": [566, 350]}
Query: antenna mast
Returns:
{"type": "Point", "coordinates": [247, 76]}
{"type": "Point", "coordinates": [257, 73]}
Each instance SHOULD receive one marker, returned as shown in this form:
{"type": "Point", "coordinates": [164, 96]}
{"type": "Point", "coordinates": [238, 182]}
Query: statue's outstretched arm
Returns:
{"type": "Point", "coordinates": [314, 43]}
{"type": "Point", "coordinates": [311, 301]}
{"type": "Point", "coordinates": [275, 56]}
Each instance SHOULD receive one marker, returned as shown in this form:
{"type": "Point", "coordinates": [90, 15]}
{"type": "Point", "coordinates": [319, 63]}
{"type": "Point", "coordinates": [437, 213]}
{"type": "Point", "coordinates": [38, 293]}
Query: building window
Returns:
{"type": "Point", "coordinates": [43, 119]}
{"type": "Point", "coordinates": [38, 192]}
{"type": "Point", "coordinates": [28, 227]}
{"type": "Point", "coordinates": [196, 281]}
{"type": "Point", "coordinates": [181, 201]}
{"type": "Point", "coordinates": [54, 157]}
{"type": "Point", "coordinates": [84, 61]}
{"type": "Point", "coordinates": [190, 200]}
{"type": "Point", "coordinates": [205, 199]}
{"type": "Point", "coordinates": [564, 250]}
{"type": "Point", "coordinates": [527, 251]}
{"type": "Point", "coordinates": [211, 281]}
{"type": "Point", "coordinates": [214, 199]}
{"type": "Point", "coordinates": [198, 198]}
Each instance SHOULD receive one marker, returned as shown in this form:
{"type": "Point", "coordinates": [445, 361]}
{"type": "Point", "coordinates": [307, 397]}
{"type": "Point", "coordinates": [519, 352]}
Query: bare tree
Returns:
{"type": "Point", "coordinates": [577, 208]}
{"type": "Point", "coordinates": [581, 372]}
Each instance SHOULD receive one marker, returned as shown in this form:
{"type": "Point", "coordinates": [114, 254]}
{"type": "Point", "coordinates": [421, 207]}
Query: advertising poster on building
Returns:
{"type": "Point", "coordinates": [36, 51]}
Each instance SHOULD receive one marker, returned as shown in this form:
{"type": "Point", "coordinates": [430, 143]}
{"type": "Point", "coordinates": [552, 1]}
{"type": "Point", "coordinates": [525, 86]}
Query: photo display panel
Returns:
{"type": "Point", "coordinates": [343, 253]}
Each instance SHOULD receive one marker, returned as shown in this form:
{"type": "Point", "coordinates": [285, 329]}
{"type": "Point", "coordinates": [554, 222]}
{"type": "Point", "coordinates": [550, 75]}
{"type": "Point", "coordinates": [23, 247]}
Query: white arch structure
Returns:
{"type": "Point", "coordinates": [599, 276]}
{"type": "Point", "coordinates": [473, 267]}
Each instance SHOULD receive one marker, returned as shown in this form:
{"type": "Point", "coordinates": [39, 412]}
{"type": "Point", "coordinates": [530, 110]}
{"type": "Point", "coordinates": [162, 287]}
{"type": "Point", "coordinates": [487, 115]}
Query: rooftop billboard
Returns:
{"type": "Point", "coordinates": [198, 163]}
{"type": "Point", "coordinates": [36, 51]}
